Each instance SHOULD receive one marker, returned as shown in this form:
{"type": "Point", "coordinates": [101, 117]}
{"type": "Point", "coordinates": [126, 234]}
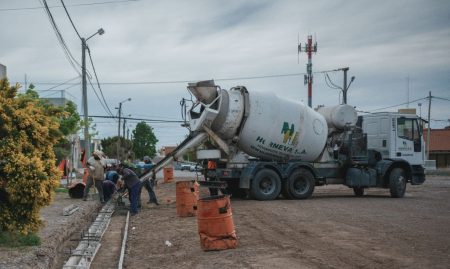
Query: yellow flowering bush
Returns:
{"type": "Point", "coordinates": [28, 172]}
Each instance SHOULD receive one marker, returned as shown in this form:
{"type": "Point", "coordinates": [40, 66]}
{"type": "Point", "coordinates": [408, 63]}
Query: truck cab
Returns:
{"type": "Point", "coordinates": [395, 136]}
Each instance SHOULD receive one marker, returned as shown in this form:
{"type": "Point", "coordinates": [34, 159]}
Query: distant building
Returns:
{"type": "Point", "coordinates": [164, 151]}
{"type": "Point", "coordinates": [2, 71]}
{"type": "Point", "coordinates": [439, 146]}
{"type": "Point", "coordinates": [57, 101]}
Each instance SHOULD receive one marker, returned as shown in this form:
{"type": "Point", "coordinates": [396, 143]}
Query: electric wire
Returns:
{"type": "Point", "coordinates": [99, 99]}
{"type": "Point", "coordinates": [330, 84]}
{"type": "Point", "coordinates": [440, 98]}
{"type": "Point", "coordinates": [73, 5]}
{"type": "Point", "coordinates": [137, 119]}
{"type": "Point", "coordinates": [65, 82]}
{"type": "Point", "coordinates": [61, 40]}
{"type": "Point", "coordinates": [56, 91]}
{"type": "Point", "coordinates": [98, 83]}
{"type": "Point", "coordinates": [189, 81]}
{"type": "Point", "coordinates": [382, 108]}
{"type": "Point", "coordinates": [70, 19]}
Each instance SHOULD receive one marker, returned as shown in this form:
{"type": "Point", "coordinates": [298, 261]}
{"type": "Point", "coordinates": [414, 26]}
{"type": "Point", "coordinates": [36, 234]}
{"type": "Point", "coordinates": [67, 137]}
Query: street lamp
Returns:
{"type": "Point", "coordinates": [118, 129]}
{"type": "Point", "coordinates": [87, 144]}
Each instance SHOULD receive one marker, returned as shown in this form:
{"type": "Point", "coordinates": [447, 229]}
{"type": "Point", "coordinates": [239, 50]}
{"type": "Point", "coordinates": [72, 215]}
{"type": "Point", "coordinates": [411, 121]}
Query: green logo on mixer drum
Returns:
{"type": "Point", "coordinates": [290, 136]}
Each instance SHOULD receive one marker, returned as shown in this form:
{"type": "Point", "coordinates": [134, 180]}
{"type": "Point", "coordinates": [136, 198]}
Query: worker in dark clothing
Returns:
{"type": "Point", "coordinates": [133, 185]}
{"type": "Point", "coordinates": [149, 184]}
{"type": "Point", "coordinates": [109, 188]}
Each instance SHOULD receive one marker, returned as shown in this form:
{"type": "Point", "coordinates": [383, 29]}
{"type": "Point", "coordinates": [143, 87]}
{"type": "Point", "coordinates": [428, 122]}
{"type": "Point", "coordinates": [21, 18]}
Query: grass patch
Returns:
{"type": "Point", "coordinates": [61, 190]}
{"type": "Point", "coordinates": [12, 239]}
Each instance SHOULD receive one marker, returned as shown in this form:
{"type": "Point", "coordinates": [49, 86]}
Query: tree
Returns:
{"type": "Point", "coordinates": [144, 141]}
{"type": "Point", "coordinates": [28, 172]}
{"type": "Point", "coordinates": [68, 117]}
{"type": "Point", "coordinates": [109, 146]}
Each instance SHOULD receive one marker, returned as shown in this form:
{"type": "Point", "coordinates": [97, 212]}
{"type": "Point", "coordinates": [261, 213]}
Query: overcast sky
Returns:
{"type": "Point", "coordinates": [383, 43]}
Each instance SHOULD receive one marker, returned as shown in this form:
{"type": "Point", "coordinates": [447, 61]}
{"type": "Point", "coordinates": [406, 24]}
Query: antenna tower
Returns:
{"type": "Point", "coordinates": [309, 48]}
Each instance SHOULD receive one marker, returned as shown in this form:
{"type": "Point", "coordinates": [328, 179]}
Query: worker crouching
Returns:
{"type": "Point", "coordinates": [133, 185]}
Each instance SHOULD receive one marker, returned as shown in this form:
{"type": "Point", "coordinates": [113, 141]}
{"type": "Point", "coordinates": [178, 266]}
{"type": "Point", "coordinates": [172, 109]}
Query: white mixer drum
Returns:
{"type": "Point", "coordinates": [279, 129]}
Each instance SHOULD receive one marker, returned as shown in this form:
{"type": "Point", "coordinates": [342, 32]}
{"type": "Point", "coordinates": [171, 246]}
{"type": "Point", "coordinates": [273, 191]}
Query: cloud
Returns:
{"type": "Point", "coordinates": [382, 42]}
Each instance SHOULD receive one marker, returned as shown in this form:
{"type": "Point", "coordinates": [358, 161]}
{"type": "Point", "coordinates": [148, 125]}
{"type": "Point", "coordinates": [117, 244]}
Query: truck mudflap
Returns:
{"type": "Point", "coordinates": [418, 175]}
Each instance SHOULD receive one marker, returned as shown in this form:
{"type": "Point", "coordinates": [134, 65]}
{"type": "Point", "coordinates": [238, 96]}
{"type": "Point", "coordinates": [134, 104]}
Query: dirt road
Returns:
{"type": "Point", "coordinates": [333, 229]}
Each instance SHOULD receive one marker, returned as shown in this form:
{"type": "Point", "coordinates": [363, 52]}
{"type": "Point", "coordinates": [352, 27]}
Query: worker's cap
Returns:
{"type": "Point", "coordinates": [146, 158]}
{"type": "Point", "coordinates": [98, 153]}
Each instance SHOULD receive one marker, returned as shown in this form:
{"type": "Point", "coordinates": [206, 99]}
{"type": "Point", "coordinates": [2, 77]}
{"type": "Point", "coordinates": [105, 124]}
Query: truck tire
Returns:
{"type": "Point", "coordinates": [266, 185]}
{"type": "Point", "coordinates": [397, 183]}
{"type": "Point", "coordinates": [359, 191]}
{"type": "Point", "coordinates": [301, 184]}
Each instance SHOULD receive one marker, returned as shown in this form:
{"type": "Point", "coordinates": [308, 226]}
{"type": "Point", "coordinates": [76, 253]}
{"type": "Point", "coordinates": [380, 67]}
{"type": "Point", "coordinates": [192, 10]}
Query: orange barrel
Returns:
{"type": "Point", "coordinates": [215, 223]}
{"type": "Point", "coordinates": [168, 174]}
{"type": "Point", "coordinates": [187, 196]}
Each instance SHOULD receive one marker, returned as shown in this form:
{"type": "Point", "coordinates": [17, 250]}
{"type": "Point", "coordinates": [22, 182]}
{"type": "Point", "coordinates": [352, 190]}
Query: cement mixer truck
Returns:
{"type": "Point", "coordinates": [264, 145]}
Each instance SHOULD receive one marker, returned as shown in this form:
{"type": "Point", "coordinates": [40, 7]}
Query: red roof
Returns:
{"type": "Point", "coordinates": [439, 139]}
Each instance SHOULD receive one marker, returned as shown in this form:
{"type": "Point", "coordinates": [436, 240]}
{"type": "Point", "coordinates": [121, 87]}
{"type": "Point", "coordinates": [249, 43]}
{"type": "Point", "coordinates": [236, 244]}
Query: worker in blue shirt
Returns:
{"type": "Point", "coordinates": [148, 184]}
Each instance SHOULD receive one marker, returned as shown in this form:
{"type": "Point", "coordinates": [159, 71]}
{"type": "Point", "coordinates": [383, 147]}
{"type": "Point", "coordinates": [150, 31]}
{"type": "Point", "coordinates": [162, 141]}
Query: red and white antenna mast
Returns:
{"type": "Point", "coordinates": [309, 48]}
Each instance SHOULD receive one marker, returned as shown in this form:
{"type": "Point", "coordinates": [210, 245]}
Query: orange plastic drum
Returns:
{"type": "Point", "coordinates": [168, 174]}
{"type": "Point", "coordinates": [187, 196]}
{"type": "Point", "coordinates": [215, 223]}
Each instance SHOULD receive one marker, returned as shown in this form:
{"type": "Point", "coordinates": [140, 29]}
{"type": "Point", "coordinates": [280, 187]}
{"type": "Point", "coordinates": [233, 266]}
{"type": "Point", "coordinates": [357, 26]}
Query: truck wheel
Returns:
{"type": "Point", "coordinates": [266, 185]}
{"type": "Point", "coordinates": [301, 184]}
{"type": "Point", "coordinates": [397, 183]}
{"type": "Point", "coordinates": [359, 191]}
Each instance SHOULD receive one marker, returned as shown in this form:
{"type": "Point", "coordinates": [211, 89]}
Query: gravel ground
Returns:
{"type": "Point", "coordinates": [333, 229]}
{"type": "Point", "coordinates": [56, 232]}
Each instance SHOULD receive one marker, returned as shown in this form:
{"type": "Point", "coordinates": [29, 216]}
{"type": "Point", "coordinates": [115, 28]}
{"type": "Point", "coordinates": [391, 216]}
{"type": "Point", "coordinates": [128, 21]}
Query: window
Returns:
{"type": "Point", "coordinates": [405, 128]}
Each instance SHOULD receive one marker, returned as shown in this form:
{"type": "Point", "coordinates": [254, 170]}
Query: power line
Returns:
{"type": "Point", "coordinates": [100, 100]}
{"type": "Point", "coordinates": [56, 91]}
{"type": "Point", "coordinates": [70, 19]}
{"type": "Point", "coordinates": [330, 83]}
{"type": "Point", "coordinates": [441, 98]}
{"type": "Point", "coordinates": [136, 119]}
{"type": "Point", "coordinates": [397, 105]}
{"type": "Point", "coordinates": [51, 88]}
{"type": "Point", "coordinates": [188, 81]}
{"type": "Point", "coordinates": [60, 38]}
{"type": "Point", "coordinates": [73, 5]}
{"type": "Point", "coordinates": [98, 83]}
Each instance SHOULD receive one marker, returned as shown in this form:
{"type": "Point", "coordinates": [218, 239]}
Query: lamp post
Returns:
{"type": "Point", "coordinates": [118, 129]}
{"type": "Point", "coordinates": [87, 144]}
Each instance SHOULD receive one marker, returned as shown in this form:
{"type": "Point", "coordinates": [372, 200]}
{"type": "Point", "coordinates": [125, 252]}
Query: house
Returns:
{"type": "Point", "coordinates": [2, 71]}
{"type": "Point", "coordinates": [439, 146]}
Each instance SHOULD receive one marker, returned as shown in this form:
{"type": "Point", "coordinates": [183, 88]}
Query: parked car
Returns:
{"type": "Point", "coordinates": [185, 167]}
{"type": "Point", "coordinates": [195, 168]}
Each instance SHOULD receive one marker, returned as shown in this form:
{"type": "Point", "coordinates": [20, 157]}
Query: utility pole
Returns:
{"type": "Point", "coordinates": [87, 144]}
{"type": "Point", "coordinates": [429, 127]}
{"type": "Point", "coordinates": [309, 48]}
{"type": "Point", "coordinates": [123, 127]}
{"type": "Point", "coordinates": [345, 88]}
{"type": "Point", "coordinates": [118, 132]}
{"type": "Point", "coordinates": [26, 83]}
{"type": "Point", "coordinates": [128, 133]}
